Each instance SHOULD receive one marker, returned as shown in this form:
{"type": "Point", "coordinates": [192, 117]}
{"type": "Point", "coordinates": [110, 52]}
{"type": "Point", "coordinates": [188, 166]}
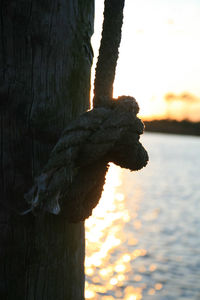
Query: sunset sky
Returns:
{"type": "Point", "coordinates": [159, 56]}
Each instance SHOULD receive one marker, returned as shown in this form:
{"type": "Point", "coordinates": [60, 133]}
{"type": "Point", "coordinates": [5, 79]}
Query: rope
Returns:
{"type": "Point", "coordinates": [72, 181]}
{"type": "Point", "coordinates": [108, 52]}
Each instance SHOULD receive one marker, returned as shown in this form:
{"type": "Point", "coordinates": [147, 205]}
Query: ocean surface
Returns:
{"type": "Point", "coordinates": [143, 240]}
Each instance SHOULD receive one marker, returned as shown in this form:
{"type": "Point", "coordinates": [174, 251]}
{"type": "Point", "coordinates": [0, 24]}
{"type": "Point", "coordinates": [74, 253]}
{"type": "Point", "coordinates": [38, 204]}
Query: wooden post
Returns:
{"type": "Point", "coordinates": [45, 61]}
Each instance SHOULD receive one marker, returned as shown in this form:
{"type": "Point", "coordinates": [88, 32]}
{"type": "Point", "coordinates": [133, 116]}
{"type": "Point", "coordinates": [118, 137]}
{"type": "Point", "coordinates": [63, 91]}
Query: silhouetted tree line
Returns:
{"type": "Point", "coordinates": [173, 126]}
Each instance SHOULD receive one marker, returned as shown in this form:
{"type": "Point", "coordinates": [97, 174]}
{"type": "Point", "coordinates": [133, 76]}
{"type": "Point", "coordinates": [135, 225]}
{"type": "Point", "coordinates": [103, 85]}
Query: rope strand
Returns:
{"type": "Point", "coordinates": [108, 52]}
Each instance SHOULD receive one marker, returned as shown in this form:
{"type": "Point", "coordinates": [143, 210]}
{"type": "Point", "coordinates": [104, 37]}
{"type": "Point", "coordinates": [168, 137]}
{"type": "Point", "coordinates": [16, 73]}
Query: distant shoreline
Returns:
{"type": "Point", "coordinates": [184, 127]}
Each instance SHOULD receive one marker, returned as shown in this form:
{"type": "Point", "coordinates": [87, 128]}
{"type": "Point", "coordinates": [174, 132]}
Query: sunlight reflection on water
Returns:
{"type": "Point", "coordinates": [143, 239]}
{"type": "Point", "coordinates": [107, 263]}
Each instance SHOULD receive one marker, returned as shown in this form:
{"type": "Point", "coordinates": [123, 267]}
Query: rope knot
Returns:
{"type": "Point", "coordinates": [72, 181]}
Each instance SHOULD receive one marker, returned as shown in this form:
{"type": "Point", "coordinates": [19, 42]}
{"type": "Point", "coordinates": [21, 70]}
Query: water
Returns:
{"type": "Point", "coordinates": [143, 240]}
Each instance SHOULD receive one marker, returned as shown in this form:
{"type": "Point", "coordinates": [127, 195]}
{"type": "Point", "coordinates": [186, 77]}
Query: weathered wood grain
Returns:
{"type": "Point", "coordinates": [45, 60]}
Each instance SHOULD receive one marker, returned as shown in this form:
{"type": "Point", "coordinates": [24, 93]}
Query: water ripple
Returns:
{"type": "Point", "coordinates": [143, 240]}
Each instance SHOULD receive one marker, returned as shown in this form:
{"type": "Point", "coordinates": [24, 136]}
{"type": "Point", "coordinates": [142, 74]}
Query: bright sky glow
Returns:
{"type": "Point", "coordinates": [159, 54]}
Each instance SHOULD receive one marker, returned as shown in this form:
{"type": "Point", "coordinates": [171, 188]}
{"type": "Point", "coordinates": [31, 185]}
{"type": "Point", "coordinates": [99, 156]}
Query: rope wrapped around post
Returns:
{"type": "Point", "coordinates": [72, 181]}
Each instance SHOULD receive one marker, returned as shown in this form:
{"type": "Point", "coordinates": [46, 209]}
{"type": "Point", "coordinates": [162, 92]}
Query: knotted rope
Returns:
{"type": "Point", "coordinates": [72, 181]}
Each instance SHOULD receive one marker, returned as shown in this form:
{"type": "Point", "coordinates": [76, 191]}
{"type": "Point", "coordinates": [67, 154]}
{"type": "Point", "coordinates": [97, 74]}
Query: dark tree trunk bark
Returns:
{"type": "Point", "coordinates": [45, 60]}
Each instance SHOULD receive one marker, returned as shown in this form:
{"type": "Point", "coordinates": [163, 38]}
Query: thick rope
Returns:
{"type": "Point", "coordinates": [108, 52]}
{"type": "Point", "coordinates": [72, 181]}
